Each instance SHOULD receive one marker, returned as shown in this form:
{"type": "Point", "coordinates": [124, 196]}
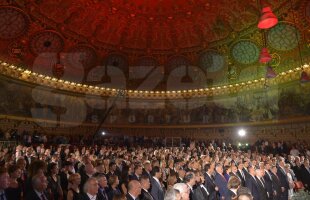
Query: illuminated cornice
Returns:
{"type": "Point", "coordinates": [15, 72]}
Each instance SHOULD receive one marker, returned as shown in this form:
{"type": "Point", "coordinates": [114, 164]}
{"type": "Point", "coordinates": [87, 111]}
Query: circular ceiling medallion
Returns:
{"type": "Point", "coordinates": [211, 61]}
{"type": "Point", "coordinates": [13, 22]}
{"type": "Point", "coordinates": [283, 37]}
{"type": "Point", "coordinates": [46, 42]}
{"type": "Point", "coordinates": [245, 52]}
{"type": "Point", "coordinates": [83, 55]}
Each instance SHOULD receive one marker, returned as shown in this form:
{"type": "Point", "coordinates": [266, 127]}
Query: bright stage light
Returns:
{"type": "Point", "coordinates": [103, 133]}
{"type": "Point", "coordinates": [241, 132]}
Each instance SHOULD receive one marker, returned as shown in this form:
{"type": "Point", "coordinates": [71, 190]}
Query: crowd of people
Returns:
{"type": "Point", "coordinates": [197, 171]}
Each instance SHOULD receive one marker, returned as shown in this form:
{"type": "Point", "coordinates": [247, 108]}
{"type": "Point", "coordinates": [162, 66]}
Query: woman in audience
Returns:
{"type": "Point", "coordinates": [113, 190]}
{"type": "Point", "coordinates": [54, 181]}
{"type": "Point", "coordinates": [14, 191]}
{"type": "Point", "coordinates": [73, 187]}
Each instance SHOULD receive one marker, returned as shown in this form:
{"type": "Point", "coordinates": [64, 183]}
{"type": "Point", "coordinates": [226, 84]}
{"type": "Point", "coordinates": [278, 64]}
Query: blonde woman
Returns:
{"type": "Point", "coordinates": [73, 187]}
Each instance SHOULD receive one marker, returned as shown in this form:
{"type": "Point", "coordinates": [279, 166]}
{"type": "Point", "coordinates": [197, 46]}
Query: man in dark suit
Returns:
{"type": "Point", "coordinates": [240, 173]}
{"type": "Point", "coordinates": [251, 183]}
{"type": "Point", "coordinates": [209, 181]}
{"type": "Point", "coordinates": [157, 191]}
{"type": "Point", "coordinates": [181, 174]}
{"type": "Point", "coordinates": [4, 182]}
{"type": "Point", "coordinates": [39, 185]}
{"type": "Point", "coordinates": [190, 181]}
{"type": "Point", "coordinates": [145, 184]}
{"type": "Point", "coordinates": [283, 179]}
{"type": "Point", "coordinates": [201, 192]}
{"type": "Point", "coordinates": [268, 180]}
{"type": "Point", "coordinates": [89, 171]}
{"type": "Point", "coordinates": [276, 185]}
{"type": "Point", "coordinates": [137, 173]}
{"type": "Point", "coordinates": [91, 190]}
{"type": "Point", "coordinates": [245, 169]}
{"type": "Point", "coordinates": [63, 176]}
{"type": "Point", "coordinates": [305, 172]}
{"type": "Point", "coordinates": [103, 186]}
{"type": "Point", "coordinates": [261, 184]}
{"type": "Point", "coordinates": [134, 190]}
{"type": "Point", "coordinates": [220, 180]}
{"type": "Point", "coordinates": [147, 169]}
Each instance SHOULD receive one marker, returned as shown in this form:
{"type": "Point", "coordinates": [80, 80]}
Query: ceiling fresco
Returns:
{"type": "Point", "coordinates": [220, 38]}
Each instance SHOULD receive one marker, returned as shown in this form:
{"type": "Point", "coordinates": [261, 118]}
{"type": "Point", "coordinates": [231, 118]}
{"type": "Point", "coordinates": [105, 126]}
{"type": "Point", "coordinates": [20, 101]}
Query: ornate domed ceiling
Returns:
{"type": "Point", "coordinates": [219, 37]}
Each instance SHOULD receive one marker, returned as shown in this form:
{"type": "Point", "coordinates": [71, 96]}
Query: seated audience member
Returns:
{"type": "Point", "coordinates": [39, 186]}
{"type": "Point", "coordinates": [90, 190]}
{"type": "Point", "coordinates": [4, 183]}
{"type": "Point", "coordinates": [74, 182]}
{"type": "Point", "coordinates": [134, 190]}
{"type": "Point", "coordinates": [14, 191]}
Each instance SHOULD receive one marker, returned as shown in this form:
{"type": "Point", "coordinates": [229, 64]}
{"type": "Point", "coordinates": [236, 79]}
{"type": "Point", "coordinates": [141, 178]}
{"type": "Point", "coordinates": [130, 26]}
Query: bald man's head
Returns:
{"type": "Point", "coordinates": [134, 188]}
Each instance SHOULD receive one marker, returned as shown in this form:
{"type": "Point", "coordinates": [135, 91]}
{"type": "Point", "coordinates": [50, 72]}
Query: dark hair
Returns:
{"type": "Point", "coordinates": [12, 169]}
{"type": "Point", "coordinates": [144, 177]}
{"type": "Point", "coordinates": [155, 170]}
{"type": "Point", "coordinates": [188, 177]}
{"type": "Point", "coordinates": [50, 167]}
{"type": "Point", "coordinates": [207, 166]}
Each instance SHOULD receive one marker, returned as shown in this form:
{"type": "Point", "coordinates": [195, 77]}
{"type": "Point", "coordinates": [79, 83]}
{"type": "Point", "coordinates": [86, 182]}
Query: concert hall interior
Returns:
{"type": "Point", "coordinates": [154, 99]}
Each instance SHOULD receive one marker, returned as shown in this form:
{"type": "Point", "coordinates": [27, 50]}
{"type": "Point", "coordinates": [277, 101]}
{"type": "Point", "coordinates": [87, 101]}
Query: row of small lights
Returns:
{"type": "Point", "coordinates": [28, 72]}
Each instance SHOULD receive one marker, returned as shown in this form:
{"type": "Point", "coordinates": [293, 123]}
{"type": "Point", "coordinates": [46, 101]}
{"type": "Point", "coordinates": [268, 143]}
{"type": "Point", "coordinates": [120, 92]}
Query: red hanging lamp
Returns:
{"type": "Point", "coordinates": [268, 19]}
{"type": "Point", "coordinates": [304, 77]}
{"type": "Point", "coordinates": [264, 56]}
{"type": "Point", "coordinates": [270, 73]}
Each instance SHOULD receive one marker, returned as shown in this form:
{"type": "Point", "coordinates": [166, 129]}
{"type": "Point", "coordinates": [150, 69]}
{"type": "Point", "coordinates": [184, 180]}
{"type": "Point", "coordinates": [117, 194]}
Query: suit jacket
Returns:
{"type": "Point", "coordinates": [268, 184]}
{"type": "Point", "coordinates": [200, 194]}
{"type": "Point", "coordinates": [128, 197]}
{"type": "Point", "coordinates": [221, 183]}
{"type": "Point", "coordinates": [241, 178]}
{"type": "Point", "coordinates": [276, 186]}
{"type": "Point", "coordinates": [157, 192]}
{"type": "Point", "coordinates": [145, 195]}
{"type": "Point", "coordinates": [305, 177]}
{"type": "Point", "coordinates": [284, 183]}
{"type": "Point", "coordinates": [133, 177]}
{"type": "Point", "coordinates": [246, 173]}
{"type": "Point", "coordinates": [32, 195]}
{"type": "Point", "coordinates": [102, 194]}
{"type": "Point", "coordinates": [262, 190]}
{"type": "Point", "coordinates": [210, 185]}
{"type": "Point", "coordinates": [253, 187]}
{"type": "Point", "coordinates": [230, 194]}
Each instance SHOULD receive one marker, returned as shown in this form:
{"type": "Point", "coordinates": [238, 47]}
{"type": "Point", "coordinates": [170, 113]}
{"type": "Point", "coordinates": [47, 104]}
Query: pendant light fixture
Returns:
{"type": "Point", "coordinates": [268, 19]}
